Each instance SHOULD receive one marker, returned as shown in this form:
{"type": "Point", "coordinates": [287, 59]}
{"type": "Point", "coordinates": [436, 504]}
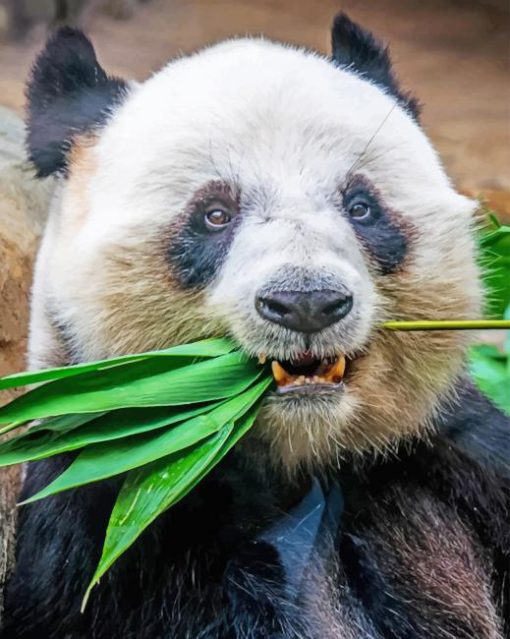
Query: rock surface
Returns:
{"type": "Point", "coordinates": [23, 206]}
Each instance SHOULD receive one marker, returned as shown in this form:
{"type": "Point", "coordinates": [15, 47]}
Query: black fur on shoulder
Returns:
{"type": "Point", "coordinates": [357, 49]}
{"type": "Point", "coordinates": [68, 94]}
{"type": "Point", "coordinates": [478, 428]}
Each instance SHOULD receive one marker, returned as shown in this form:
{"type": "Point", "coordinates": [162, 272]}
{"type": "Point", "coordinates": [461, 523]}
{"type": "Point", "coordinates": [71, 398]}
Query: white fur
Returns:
{"type": "Point", "coordinates": [287, 127]}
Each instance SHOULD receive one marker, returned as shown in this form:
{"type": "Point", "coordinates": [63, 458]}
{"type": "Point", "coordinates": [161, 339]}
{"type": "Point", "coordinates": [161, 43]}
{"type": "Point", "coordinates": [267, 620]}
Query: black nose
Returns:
{"type": "Point", "coordinates": [305, 311]}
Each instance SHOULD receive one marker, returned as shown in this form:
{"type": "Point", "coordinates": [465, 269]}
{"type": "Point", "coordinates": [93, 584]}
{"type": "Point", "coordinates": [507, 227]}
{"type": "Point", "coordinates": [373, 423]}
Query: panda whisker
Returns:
{"type": "Point", "coordinates": [214, 165]}
{"type": "Point", "coordinates": [374, 158]}
{"type": "Point", "coordinates": [369, 142]}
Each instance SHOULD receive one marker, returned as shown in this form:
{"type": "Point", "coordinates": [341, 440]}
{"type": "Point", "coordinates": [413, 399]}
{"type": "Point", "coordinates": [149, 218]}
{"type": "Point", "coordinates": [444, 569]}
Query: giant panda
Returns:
{"type": "Point", "coordinates": [293, 202]}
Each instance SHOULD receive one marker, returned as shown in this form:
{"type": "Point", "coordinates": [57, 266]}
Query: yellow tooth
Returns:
{"type": "Point", "coordinates": [281, 376]}
{"type": "Point", "coordinates": [262, 358]}
{"type": "Point", "coordinates": [336, 373]}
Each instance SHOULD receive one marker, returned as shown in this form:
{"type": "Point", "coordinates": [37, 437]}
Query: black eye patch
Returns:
{"type": "Point", "coordinates": [375, 227]}
{"type": "Point", "coordinates": [198, 249]}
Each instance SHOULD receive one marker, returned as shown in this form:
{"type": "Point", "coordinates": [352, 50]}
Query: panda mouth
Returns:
{"type": "Point", "coordinates": [308, 374]}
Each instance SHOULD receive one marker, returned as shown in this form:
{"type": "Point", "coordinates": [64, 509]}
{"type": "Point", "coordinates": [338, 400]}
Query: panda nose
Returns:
{"type": "Point", "coordinates": [304, 311]}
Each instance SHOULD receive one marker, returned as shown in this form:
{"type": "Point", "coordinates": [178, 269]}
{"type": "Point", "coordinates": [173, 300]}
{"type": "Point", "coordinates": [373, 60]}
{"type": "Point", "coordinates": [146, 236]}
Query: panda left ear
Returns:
{"type": "Point", "coordinates": [357, 49]}
{"type": "Point", "coordinates": [68, 94]}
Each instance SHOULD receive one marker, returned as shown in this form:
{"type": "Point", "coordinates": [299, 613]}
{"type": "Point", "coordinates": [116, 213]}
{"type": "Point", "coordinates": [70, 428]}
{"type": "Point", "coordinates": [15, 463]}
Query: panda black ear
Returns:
{"type": "Point", "coordinates": [68, 94]}
{"type": "Point", "coordinates": [357, 49]}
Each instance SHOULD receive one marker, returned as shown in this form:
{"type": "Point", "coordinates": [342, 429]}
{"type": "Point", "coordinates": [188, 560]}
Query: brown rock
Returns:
{"type": "Point", "coordinates": [23, 205]}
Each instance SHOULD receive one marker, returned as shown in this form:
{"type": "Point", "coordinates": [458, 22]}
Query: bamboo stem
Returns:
{"type": "Point", "coordinates": [446, 325]}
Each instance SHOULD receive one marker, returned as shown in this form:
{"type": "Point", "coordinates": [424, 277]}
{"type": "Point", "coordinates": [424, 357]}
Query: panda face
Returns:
{"type": "Point", "coordinates": [259, 191]}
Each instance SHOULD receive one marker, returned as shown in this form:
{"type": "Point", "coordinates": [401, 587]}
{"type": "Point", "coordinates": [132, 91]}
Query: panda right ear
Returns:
{"type": "Point", "coordinates": [68, 94]}
{"type": "Point", "coordinates": [357, 49]}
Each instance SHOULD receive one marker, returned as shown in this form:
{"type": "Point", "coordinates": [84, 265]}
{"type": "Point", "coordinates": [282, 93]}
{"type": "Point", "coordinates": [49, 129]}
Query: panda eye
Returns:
{"type": "Point", "coordinates": [360, 211]}
{"type": "Point", "coordinates": [217, 219]}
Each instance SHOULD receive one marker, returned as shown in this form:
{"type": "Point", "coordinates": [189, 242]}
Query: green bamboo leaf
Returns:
{"type": "Point", "coordinates": [59, 424]}
{"type": "Point", "coordinates": [104, 460]}
{"type": "Point", "coordinates": [494, 220]}
{"type": "Point", "coordinates": [43, 441]}
{"type": "Point", "coordinates": [149, 491]}
{"type": "Point", "coordinates": [489, 368]}
{"type": "Point", "coordinates": [487, 351]}
{"type": "Point", "coordinates": [498, 393]}
{"type": "Point", "coordinates": [494, 237]}
{"type": "Point", "coordinates": [146, 383]}
{"type": "Point", "coordinates": [506, 345]}
{"type": "Point", "coordinates": [144, 497]}
{"type": "Point", "coordinates": [203, 349]}
{"type": "Point", "coordinates": [486, 366]}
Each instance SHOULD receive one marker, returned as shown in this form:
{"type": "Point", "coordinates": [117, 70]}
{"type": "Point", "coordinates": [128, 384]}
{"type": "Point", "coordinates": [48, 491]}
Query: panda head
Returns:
{"type": "Point", "coordinates": [265, 192]}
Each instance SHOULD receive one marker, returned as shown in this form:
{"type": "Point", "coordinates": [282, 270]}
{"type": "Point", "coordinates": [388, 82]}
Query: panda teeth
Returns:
{"type": "Point", "coordinates": [336, 373]}
{"type": "Point", "coordinates": [281, 376]}
{"type": "Point", "coordinates": [328, 372]}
